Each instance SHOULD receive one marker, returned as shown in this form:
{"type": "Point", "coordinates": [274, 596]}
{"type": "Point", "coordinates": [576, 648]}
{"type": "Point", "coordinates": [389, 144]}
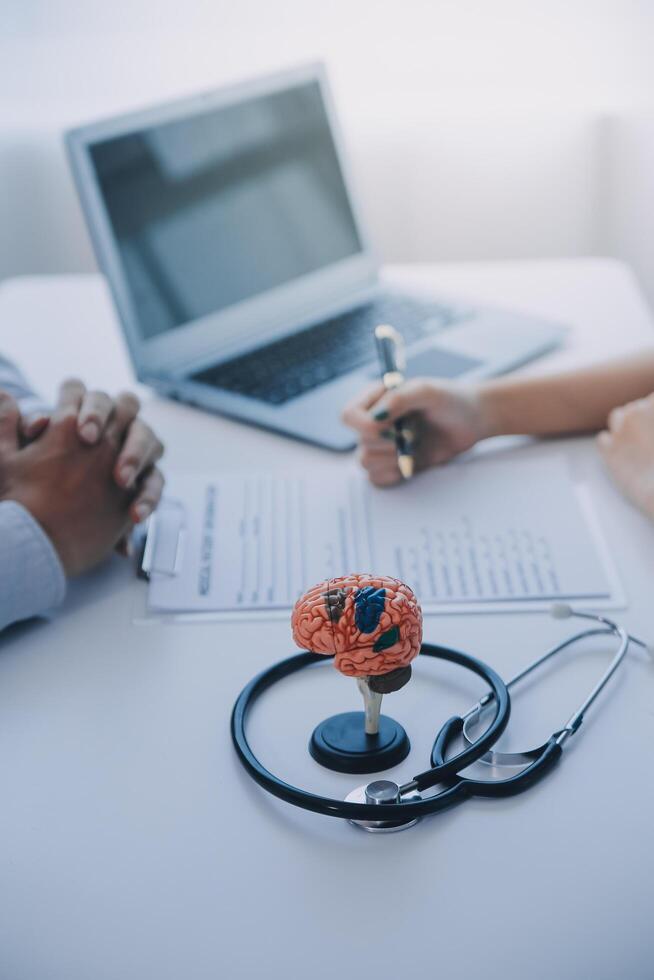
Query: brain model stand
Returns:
{"type": "Point", "coordinates": [372, 626]}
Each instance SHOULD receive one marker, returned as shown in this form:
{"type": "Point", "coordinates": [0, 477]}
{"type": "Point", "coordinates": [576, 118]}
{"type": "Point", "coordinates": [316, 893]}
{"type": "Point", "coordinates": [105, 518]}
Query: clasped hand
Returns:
{"type": "Point", "coordinates": [86, 472]}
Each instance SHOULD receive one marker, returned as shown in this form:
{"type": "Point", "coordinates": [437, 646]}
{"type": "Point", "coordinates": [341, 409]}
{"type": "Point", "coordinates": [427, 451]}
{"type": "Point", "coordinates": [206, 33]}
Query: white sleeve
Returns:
{"type": "Point", "coordinates": [32, 579]}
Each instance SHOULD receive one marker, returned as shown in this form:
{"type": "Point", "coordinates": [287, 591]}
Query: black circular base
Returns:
{"type": "Point", "coordinates": [341, 743]}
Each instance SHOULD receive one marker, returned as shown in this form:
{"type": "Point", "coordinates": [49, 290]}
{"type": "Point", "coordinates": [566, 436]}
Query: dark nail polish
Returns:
{"type": "Point", "coordinates": [381, 415]}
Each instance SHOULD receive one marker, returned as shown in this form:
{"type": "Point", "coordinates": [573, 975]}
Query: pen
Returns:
{"type": "Point", "coordinates": [390, 348]}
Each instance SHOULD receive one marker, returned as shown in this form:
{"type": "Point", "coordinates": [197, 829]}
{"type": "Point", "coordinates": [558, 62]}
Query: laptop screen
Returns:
{"type": "Point", "coordinates": [216, 208]}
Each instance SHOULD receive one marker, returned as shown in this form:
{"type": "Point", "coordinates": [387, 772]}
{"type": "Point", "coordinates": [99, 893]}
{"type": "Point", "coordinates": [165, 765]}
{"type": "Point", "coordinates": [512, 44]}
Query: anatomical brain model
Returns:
{"type": "Point", "coordinates": [372, 625]}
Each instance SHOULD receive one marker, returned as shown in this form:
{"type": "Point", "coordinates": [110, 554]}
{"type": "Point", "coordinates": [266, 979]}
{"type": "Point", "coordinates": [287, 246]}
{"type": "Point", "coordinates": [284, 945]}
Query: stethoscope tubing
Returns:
{"type": "Point", "coordinates": [444, 770]}
{"type": "Point", "coordinates": [405, 810]}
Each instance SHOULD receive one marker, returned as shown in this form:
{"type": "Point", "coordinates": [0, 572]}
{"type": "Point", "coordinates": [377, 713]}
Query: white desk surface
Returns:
{"type": "Point", "coordinates": [133, 846]}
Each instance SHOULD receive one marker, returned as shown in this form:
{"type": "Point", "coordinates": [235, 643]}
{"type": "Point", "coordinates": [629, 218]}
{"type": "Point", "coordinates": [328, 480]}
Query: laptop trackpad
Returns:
{"type": "Point", "coordinates": [435, 362]}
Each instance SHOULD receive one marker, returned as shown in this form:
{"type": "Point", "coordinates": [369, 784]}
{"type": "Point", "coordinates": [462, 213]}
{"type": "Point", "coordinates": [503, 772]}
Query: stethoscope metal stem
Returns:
{"type": "Point", "coordinates": [576, 719]}
{"type": "Point", "coordinates": [605, 627]}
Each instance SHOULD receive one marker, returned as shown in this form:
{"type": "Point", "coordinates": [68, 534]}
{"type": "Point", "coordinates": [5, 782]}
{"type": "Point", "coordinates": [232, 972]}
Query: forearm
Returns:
{"type": "Point", "coordinates": [577, 401]}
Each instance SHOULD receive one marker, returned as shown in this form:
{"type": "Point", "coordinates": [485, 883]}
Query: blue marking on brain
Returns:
{"type": "Point", "coordinates": [368, 607]}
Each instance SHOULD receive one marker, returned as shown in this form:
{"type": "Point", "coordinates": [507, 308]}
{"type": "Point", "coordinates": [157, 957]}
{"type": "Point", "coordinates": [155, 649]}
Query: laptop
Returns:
{"type": "Point", "coordinates": [227, 227]}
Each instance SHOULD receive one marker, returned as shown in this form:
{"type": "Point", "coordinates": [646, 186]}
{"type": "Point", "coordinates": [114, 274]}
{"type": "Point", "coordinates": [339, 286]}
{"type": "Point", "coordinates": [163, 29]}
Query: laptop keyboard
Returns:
{"type": "Point", "coordinates": [293, 365]}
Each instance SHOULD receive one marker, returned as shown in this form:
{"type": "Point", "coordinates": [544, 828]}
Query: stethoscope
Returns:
{"type": "Point", "coordinates": [383, 805]}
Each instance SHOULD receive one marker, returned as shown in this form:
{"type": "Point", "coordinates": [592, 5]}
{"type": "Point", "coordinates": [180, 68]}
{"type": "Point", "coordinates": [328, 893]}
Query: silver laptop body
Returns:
{"type": "Point", "coordinates": [240, 266]}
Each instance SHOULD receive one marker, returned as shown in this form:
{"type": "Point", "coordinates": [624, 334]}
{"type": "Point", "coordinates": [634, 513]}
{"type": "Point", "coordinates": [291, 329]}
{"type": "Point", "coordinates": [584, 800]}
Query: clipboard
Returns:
{"type": "Point", "coordinates": [160, 542]}
{"type": "Point", "coordinates": [158, 547]}
{"type": "Point", "coordinates": [244, 546]}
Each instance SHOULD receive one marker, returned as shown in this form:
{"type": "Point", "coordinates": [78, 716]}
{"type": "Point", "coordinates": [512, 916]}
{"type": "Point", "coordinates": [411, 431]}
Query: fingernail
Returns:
{"type": "Point", "coordinates": [127, 474]}
{"type": "Point", "coordinates": [141, 511]}
{"type": "Point", "coordinates": [89, 431]}
{"type": "Point", "coordinates": [380, 415]}
{"type": "Point", "coordinates": [387, 434]}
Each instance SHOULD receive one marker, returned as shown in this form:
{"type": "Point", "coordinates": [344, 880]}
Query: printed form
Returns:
{"type": "Point", "coordinates": [475, 535]}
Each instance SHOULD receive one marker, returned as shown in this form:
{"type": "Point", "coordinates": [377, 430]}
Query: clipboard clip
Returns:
{"type": "Point", "coordinates": [159, 542]}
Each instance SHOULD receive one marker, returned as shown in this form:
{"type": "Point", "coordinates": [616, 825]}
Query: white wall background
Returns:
{"type": "Point", "coordinates": [479, 128]}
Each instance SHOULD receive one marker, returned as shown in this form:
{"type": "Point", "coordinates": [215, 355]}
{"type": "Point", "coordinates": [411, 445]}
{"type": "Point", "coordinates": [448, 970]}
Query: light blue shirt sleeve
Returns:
{"type": "Point", "coordinates": [13, 382]}
{"type": "Point", "coordinates": [32, 579]}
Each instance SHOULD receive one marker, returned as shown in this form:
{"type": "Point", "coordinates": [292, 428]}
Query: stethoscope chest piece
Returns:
{"type": "Point", "coordinates": [382, 791]}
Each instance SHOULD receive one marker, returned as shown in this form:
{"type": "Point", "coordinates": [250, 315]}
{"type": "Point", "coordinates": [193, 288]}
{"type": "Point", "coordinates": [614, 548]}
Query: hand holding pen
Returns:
{"type": "Point", "coordinates": [392, 360]}
{"type": "Point", "coordinates": [445, 418]}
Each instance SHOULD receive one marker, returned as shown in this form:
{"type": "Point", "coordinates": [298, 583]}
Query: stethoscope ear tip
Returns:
{"type": "Point", "coordinates": [561, 610]}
